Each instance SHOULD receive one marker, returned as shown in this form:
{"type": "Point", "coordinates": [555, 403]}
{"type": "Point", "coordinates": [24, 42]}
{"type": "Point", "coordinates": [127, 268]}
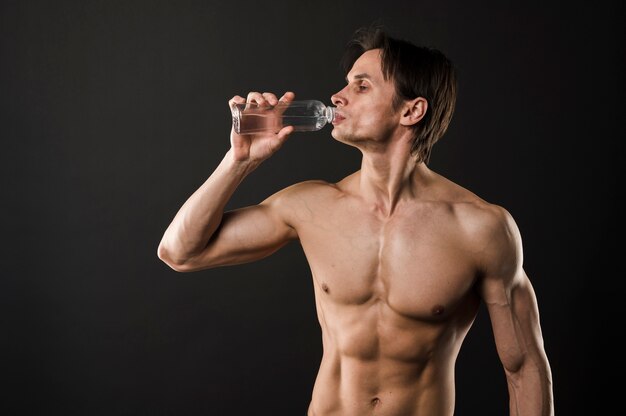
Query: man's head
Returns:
{"type": "Point", "coordinates": [423, 79]}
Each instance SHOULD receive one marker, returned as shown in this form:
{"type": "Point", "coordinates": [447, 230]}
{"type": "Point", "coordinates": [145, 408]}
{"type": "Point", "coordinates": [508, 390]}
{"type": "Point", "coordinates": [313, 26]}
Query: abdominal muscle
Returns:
{"type": "Point", "coordinates": [378, 362]}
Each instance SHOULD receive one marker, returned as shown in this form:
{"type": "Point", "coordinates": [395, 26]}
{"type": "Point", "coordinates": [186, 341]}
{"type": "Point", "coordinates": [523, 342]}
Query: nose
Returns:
{"type": "Point", "coordinates": [338, 98]}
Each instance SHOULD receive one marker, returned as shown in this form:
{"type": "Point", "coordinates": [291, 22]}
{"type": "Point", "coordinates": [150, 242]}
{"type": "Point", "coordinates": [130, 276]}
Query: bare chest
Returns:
{"type": "Point", "coordinates": [417, 261]}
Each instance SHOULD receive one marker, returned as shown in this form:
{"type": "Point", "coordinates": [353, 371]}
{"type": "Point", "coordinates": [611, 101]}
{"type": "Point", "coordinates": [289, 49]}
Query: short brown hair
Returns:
{"type": "Point", "coordinates": [416, 71]}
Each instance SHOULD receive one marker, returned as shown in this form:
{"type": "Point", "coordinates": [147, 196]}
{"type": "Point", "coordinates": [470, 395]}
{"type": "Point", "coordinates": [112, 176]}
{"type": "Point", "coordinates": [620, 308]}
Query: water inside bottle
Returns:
{"type": "Point", "coordinates": [302, 115]}
{"type": "Point", "coordinates": [253, 123]}
{"type": "Point", "coordinates": [259, 122]}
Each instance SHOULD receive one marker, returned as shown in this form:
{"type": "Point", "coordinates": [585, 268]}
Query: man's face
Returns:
{"type": "Point", "coordinates": [364, 106]}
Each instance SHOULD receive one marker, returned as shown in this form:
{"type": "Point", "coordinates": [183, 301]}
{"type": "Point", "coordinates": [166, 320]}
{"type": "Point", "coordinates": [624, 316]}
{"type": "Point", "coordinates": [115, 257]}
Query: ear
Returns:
{"type": "Point", "coordinates": [413, 111]}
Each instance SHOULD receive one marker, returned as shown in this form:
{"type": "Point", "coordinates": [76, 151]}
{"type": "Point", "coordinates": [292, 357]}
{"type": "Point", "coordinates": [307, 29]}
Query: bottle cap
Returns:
{"type": "Point", "coordinates": [330, 114]}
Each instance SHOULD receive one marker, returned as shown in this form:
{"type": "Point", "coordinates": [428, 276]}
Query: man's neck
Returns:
{"type": "Point", "coordinates": [389, 176]}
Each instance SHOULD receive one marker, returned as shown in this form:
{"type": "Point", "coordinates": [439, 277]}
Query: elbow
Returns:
{"type": "Point", "coordinates": [520, 367]}
{"type": "Point", "coordinates": [176, 263]}
{"type": "Point", "coordinates": [513, 366]}
{"type": "Point", "coordinates": [512, 360]}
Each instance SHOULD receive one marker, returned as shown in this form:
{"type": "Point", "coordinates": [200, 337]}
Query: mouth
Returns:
{"type": "Point", "coordinates": [338, 118]}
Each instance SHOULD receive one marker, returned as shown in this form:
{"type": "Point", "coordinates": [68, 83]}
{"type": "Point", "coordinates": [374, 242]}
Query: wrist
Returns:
{"type": "Point", "coordinates": [243, 167]}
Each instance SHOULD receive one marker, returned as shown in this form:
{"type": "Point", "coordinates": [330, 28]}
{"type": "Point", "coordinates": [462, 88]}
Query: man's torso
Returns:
{"type": "Point", "coordinates": [394, 296]}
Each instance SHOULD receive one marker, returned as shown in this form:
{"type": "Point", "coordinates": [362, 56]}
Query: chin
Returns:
{"type": "Point", "coordinates": [345, 139]}
{"type": "Point", "coordinates": [338, 136]}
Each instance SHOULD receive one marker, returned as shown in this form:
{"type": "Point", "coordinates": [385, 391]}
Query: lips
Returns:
{"type": "Point", "coordinates": [338, 118]}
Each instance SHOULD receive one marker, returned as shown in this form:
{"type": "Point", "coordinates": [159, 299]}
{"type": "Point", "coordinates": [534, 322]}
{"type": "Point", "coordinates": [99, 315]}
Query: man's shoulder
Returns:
{"type": "Point", "coordinates": [485, 222]}
{"type": "Point", "coordinates": [467, 204]}
{"type": "Point", "coordinates": [475, 208]}
{"type": "Point", "coordinates": [318, 189]}
{"type": "Point", "coordinates": [476, 215]}
{"type": "Point", "coordinates": [491, 232]}
{"type": "Point", "coordinates": [309, 187]}
{"type": "Point", "coordinates": [302, 194]}
{"type": "Point", "coordinates": [483, 215]}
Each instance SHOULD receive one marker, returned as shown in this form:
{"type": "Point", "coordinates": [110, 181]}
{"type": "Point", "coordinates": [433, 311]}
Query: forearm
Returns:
{"type": "Point", "coordinates": [196, 221]}
{"type": "Point", "coordinates": [530, 391]}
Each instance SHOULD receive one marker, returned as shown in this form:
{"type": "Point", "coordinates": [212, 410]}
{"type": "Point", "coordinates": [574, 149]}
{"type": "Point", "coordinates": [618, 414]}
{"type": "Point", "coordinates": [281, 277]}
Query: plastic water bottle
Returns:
{"type": "Point", "coordinates": [303, 115]}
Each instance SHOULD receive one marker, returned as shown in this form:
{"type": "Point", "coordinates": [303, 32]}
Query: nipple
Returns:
{"type": "Point", "coordinates": [325, 288]}
{"type": "Point", "coordinates": [438, 310]}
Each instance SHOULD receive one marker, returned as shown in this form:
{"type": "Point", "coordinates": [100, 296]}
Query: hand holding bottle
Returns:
{"type": "Point", "coordinates": [259, 146]}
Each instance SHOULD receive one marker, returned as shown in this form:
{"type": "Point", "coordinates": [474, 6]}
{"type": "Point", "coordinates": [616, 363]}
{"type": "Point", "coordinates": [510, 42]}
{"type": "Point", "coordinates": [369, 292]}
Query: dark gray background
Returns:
{"type": "Point", "coordinates": [114, 112]}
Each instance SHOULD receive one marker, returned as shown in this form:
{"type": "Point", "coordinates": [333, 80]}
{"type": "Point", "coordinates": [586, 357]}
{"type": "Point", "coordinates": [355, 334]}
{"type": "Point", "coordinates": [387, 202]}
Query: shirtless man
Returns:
{"type": "Point", "coordinates": [401, 257]}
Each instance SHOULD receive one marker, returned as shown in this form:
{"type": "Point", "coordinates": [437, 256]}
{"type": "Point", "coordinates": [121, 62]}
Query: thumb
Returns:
{"type": "Point", "coordinates": [281, 137]}
{"type": "Point", "coordinates": [287, 97]}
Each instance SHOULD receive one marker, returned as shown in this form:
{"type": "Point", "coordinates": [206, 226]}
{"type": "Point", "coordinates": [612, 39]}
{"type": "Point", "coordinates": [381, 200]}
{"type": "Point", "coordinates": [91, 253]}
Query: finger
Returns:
{"type": "Point", "coordinates": [278, 141]}
{"type": "Point", "coordinates": [284, 133]}
{"type": "Point", "coordinates": [270, 98]}
{"type": "Point", "coordinates": [256, 97]}
{"type": "Point", "coordinates": [236, 100]}
{"type": "Point", "coordinates": [236, 104]}
{"type": "Point", "coordinates": [288, 96]}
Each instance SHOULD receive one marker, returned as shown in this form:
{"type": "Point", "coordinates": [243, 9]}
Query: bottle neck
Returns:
{"type": "Point", "coordinates": [330, 114]}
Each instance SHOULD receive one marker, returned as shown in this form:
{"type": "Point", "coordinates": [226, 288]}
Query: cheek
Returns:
{"type": "Point", "coordinates": [376, 120]}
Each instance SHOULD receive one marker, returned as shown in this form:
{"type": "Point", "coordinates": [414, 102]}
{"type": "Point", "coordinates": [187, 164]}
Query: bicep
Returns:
{"type": "Point", "coordinates": [509, 295]}
{"type": "Point", "coordinates": [246, 234]}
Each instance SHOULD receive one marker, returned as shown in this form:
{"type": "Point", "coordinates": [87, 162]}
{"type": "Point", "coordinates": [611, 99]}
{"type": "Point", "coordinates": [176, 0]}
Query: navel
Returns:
{"type": "Point", "coordinates": [325, 288]}
{"type": "Point", "coordinates": [437, 310]}
{"type": "Point", "coordinates": [375, 401]}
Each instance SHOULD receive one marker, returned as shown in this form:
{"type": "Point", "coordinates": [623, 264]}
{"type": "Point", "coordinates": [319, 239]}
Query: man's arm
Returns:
{"type": "Point", "coordinates": [512, 306]}
{"type": "Point", "coordinates": [201, 235]}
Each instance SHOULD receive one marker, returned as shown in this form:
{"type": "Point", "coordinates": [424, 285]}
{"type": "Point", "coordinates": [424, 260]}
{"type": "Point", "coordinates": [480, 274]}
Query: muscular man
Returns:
{"type": "Point", "coordinates": [401, 257]}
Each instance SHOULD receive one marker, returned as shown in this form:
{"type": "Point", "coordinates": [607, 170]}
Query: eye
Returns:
{"type": "Point", "coordinates": [362, 87]}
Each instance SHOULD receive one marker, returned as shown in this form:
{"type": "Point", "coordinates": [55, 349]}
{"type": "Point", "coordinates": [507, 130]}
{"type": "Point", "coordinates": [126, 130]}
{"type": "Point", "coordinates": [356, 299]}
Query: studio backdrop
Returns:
{"type": "Point", "coordinates": [114, 112]}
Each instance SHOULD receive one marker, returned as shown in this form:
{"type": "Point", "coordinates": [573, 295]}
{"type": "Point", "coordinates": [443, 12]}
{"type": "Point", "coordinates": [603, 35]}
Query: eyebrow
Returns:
{"type": "Point", "coordinates": [360, 76]}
